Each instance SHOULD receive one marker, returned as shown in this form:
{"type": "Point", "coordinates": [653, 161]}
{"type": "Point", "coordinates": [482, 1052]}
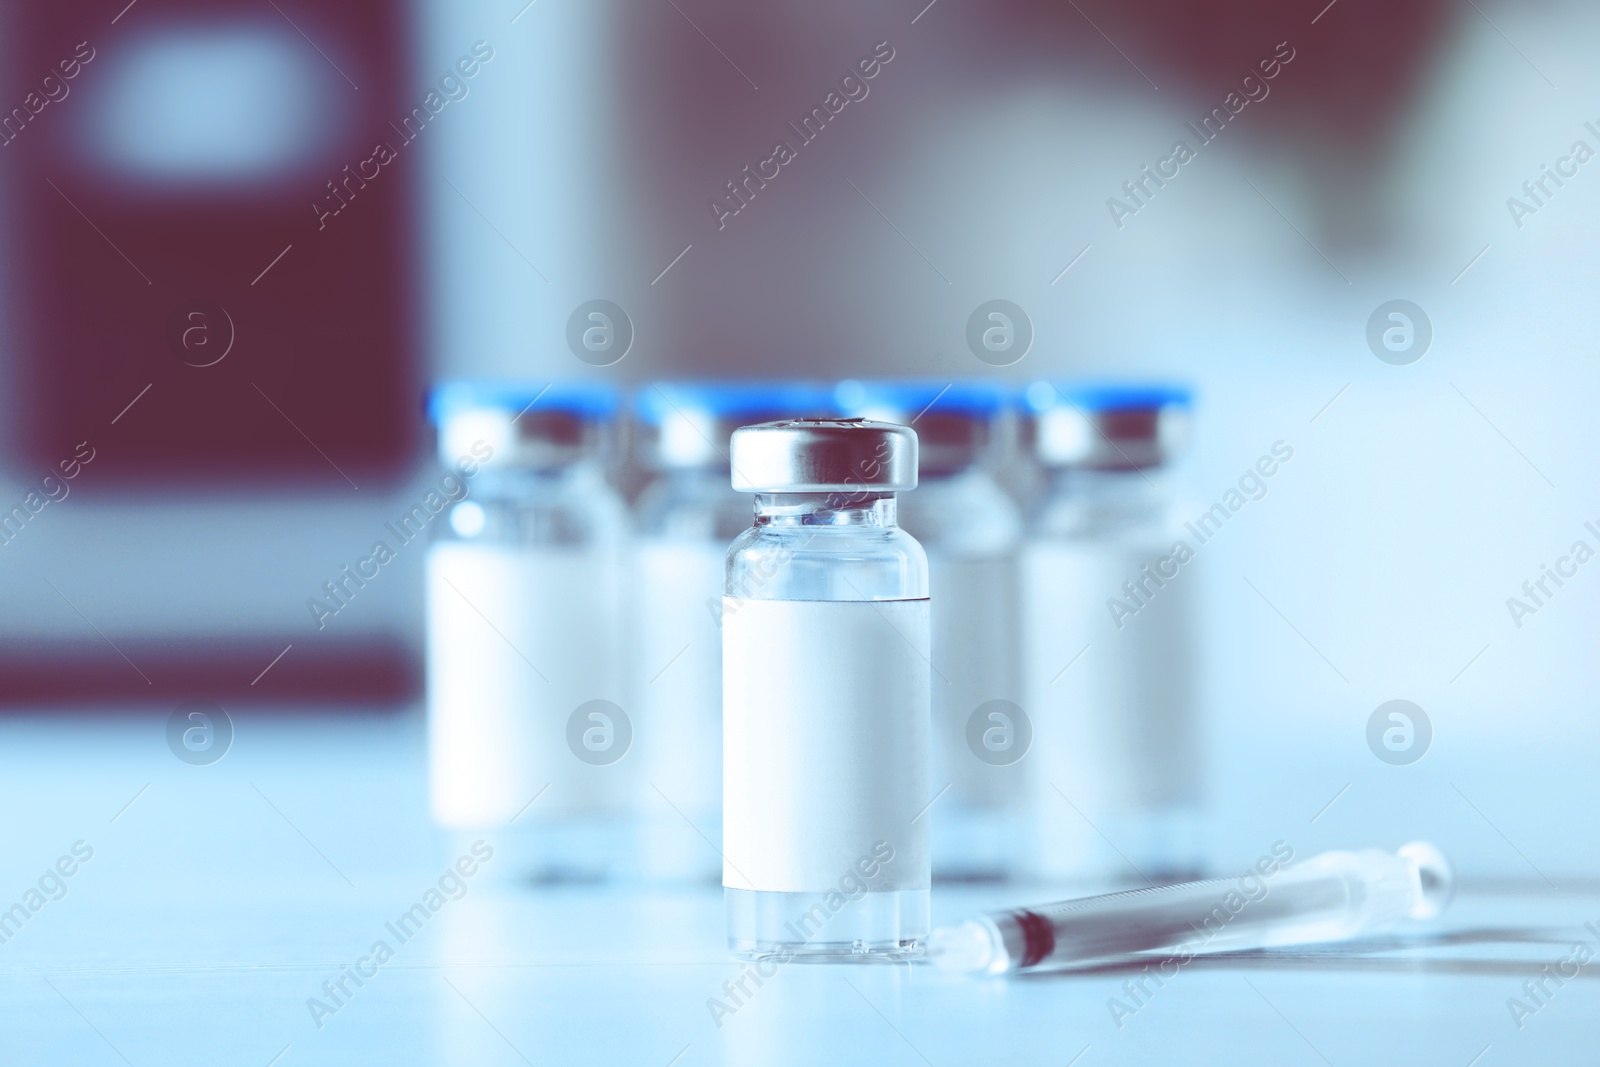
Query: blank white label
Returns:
{"type": "Point", "coordinates": [677, 672]}
{"type": "Point", "coordinates": [517, 639]}
{"type": "Point", "coordinates": [975, 648]}
{"type": "Point", "coordinates": [825, 742]}
{"type": "Point", "coordinates": [1116, 730]}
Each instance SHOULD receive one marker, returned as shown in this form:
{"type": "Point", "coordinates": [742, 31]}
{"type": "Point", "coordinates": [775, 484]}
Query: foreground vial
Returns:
{"type": "Point", "coordinates": [826, 676]}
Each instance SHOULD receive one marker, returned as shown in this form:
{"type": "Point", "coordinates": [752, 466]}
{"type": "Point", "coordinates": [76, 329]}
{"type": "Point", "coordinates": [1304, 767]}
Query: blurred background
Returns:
{"type": "Point", "coordinates": [243, 239]}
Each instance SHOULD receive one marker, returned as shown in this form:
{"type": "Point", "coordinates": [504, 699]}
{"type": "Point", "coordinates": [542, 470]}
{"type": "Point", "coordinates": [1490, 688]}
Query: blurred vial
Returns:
{"type": "Point", "coordinates": [971, 530]}
{"type": "Point", "coordinates": [1017, 468]}
{"type": "Point", "coordinates": [527, 735]}
{"type": "Point", "coordinates": [685, 518]}
{"type": "Point", "coordinates": [1109, 642]}
{"type": "Point", "coordinates": [825, 698]}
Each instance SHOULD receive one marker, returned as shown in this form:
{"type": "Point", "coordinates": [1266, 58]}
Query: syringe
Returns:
{"type": "Point", "coordinates": [1329, 897]}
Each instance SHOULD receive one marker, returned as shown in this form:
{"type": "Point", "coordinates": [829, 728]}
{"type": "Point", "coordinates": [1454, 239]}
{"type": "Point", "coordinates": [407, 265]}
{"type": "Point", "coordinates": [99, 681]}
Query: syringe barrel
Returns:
{"type": "Point", "coordinates": [1328, 897]}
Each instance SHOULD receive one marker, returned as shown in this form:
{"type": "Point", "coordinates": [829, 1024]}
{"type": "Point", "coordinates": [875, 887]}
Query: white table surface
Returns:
{"type": "Point", "coordinates": [221, 898]}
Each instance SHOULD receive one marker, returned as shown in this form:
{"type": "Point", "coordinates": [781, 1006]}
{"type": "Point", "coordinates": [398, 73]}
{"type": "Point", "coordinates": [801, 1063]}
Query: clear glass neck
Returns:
{"type": "Point", "coordinates": [826, 546]}
{"type": "Point", "coordinates": [826, 509]}
{"type": "Point", "coordinates": [694, 503]}
{"type": "Point", "coordinates": [1114, 504]}
{"type": "Point", "coordinates": [520, 481]}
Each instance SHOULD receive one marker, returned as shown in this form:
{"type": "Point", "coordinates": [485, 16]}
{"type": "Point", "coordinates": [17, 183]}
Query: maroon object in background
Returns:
{"type": "Point", "coordinates": [1358, 69]}
{"type": "Point", "coordinates": [347, 673]}
{"type": "Point", "coordinates": [255, 341]}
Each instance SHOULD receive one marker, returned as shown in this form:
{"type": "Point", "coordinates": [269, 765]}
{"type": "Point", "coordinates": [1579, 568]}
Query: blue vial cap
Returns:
{"type": "Point", "coordinates": [732, 401]}
{"type": "Point", "coordinates": [594, 401]}
{"type": "Point", "coordinates": [909, 399]}
{"type": "Point", "coordinates": [1098, 397]}
{"type": "Point", "coordinates": [689, 423]}
{"type": "Point", "coordinates": [1108, 425]}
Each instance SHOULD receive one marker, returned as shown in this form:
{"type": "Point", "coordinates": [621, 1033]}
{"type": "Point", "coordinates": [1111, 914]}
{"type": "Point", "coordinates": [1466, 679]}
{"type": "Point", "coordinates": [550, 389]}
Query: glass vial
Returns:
{"type": "Point", "coordinates": [1108, 619]}
{"type": "Point", "coordinates": [825, 630]}
{"type": "Point", "coordinates": [972, 531]}
{"type": "Point", "coordinates": [685, 518]}
{"type": "Point", "coordinates": [526, 730]}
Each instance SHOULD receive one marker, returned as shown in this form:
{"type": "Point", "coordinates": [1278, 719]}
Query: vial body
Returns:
{"type": "Point", "coordinates": [1116, 732]}
{"type": "Point", "coordinates": [526, 726]}
{"type": "Point", "coordinates": [685, 520]}
{"type": "Point", "coordinates": [972, 530]}
{"type": "Point", "coordinates": [826, 732]}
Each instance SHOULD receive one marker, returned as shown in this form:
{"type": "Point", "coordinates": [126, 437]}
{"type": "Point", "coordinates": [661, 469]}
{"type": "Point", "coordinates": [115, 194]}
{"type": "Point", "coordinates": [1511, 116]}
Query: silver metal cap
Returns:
{"type": "Point", "coordinates": [824, 456]}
